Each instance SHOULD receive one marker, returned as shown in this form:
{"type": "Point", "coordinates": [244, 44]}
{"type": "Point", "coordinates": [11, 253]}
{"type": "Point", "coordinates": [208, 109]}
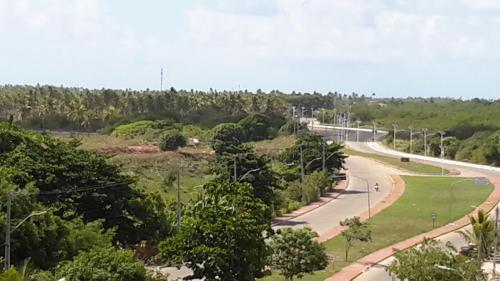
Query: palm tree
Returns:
{"type": "Point", "coordinates": [77, 112]}
{"type": "Point", "coordinates": [24, 273]}
{"type": "Point", "coordinates": [482, 234]}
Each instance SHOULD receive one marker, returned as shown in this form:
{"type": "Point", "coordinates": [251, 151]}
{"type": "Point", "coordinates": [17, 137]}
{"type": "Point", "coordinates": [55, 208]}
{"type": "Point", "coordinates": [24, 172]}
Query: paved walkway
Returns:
{"type": "Point", "coordinates": [355, 269]}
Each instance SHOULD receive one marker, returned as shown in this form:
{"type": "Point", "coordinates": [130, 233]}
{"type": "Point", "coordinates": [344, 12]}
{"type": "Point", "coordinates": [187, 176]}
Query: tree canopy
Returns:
{"type": "Point", "coordinates": [223, 235]}
{"type": "Point", "coordinates": [296, 252]}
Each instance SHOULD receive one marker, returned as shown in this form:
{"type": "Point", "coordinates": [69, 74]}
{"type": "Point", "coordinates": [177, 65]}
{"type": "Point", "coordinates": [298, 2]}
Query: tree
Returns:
{"type": "Point", "coordinates": [312, 149]}
{"type": "Point", "coordinates": [482, 234]}
{"type": "Point", "coordinates": [250, 168]}
{"type": "Point", "coordinates": [81, 184]}
{"type": "Point", "coordinates": [103, 264]}
{"type": "Point", "coordinates": [225, 136]}
{"type": "Point", "coordinates": [356, 231]}
{"type": "Point", "coordinates": [430, 262]}
{"type": "Point", "coordinates": [296, 252]}
{"type": "Point", "coordinates": [171, 140]}
{"type": "Point", "coordinates": [222, 235]}
{"type": "Point", "coordinates": [256, 127]}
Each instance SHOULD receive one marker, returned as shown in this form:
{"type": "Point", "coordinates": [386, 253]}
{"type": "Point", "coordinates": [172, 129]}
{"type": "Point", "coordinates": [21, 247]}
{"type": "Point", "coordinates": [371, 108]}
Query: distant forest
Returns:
{"type": "Point", "coordinates": [472, 126]}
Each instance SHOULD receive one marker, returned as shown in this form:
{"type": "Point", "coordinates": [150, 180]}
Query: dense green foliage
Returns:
{"type": "Point", "coordinates": [103, 264]}
{"type": "Point", "coordinates": [242, 164]}
{"type": "Point", "coordinates": [472, 126]}
{"type": "Point", "coordinates": [259, 127]}
{"type": "Point", "coordinates": [80, 200]}
{"type": "Point", "coordinates": [76, 108]}
{"type": "Point", "coordinates": [295, 252]}
{"type": "Point", "coordinates": [171, 140]}
{"type": "Point", "coordinates": [481, 236]}
{"type": "Point", "coordinates": [226, 136]}
{"type": "Point", "coordinates": [430, 262]}
{"type": "Point", "coordinates": [222, 235]}
{"type": "Point", "coordinates": [312, 147]}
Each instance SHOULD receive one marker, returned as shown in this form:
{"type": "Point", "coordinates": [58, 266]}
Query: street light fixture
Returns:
{"type": "Point", "coordinates": [395, 126]}
{"type": "Point", "coordinates": [441, 148]}
{"type": "Point", "coordinates": [411, 139]}
{"type": "Point", "coordinates": [425, 131]}
{"type": "Point", "coordinates": [450, 269]}
{"type": "Point", "coordinates": [367, 192]}
{"type": "Point", "coordinates": [9, 231]}
{"type": "Point", "coordinates": [357, 132]}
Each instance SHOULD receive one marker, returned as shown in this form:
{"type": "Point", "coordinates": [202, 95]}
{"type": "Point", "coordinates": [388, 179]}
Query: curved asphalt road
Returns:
{"type": "Point", "coordinates": [354, 201]}
{"type": "Point", "coordinates": [378, 272]}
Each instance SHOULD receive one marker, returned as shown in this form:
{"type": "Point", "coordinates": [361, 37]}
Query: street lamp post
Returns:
{"type": "Point", "coordinates": [425, 130]}
{"type": "Point", "coordinates": [495, 244]}
{"type": "Point", "coordinates": [411, 139]}
{"type": "Point", "coordinates": [367, 193]}
{"type": "Point", "coordinates": [442, 133]}
{"type": "Point", "coordinates": [357, 132]}
{"type": "Point", "coordinates": [301, 174]}
{"type": "Point", "coordinates": [395, 126]}
{"type": "Point", "coordinates": [9, 231]}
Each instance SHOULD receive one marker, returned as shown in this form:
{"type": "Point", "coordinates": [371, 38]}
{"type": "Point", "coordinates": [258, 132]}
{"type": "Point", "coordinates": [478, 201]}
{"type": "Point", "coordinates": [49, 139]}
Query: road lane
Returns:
{"type": "Point", "coordinates": [354, 201]}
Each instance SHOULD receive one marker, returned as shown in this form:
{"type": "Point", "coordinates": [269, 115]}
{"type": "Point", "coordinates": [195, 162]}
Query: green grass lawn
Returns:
{"type": "Point", "coordinates": [414, 167]}
{"type": "Point", "coordinates": [407, 217]}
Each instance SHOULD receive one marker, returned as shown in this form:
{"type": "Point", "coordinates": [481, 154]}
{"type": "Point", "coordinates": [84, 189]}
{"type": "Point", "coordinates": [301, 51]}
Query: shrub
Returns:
{"type": "Point", "coordinates": [133, 129]}
{"type": "Point", "coordinates": [255, 127]}
{"type": "Point", "coordinates": [171, 140]}
{"type": "Point", "coordinates": [103, 264]}
{"type": "Point", "coordinates": [225, 136]}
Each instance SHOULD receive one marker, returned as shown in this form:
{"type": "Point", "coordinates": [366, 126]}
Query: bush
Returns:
{"type": "Point", "coordinates": [103, 264]}
{"type": "Point", "coordinates": [171, 140]}
{"type": "Point", "coordinates": [256, 127]}
{"type": "Point", "coordinates": [226, 135]}
{"type": "Point", "coordinates": [133, 129]}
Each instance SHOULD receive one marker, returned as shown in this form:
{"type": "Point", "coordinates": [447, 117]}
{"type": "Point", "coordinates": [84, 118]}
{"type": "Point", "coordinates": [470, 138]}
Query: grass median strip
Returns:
{"type": "Point", "coordinates": [413, 167]}
{"type": "Point", "coordinates": [408, 217]}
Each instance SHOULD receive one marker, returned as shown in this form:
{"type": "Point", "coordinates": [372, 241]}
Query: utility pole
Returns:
{"type": "Point", "coordinates": [425, 130]}
{"type": "Point", "coordinates": [178, 213]}
{"type": "Point", "coordinates": [495, 244]}
{"type": "Point", "coordinates": [294, 121]}
{"type": "Point", "coordinates": [357, 132]}
{"type": "Point", "coordinates": [324, 157]}
{"type": "Point", "coordinates": [411, 139]}
{"type": "Point", "coordinates": [312, 118]}
{"type": "Point", "coordinates": [442, 133]}
{"type": "Point", "coordinates": [235, 173]}
{"type": "Point", "coordinates": [395, 126]}
{"type": "Point", "coordinates": [301, 174]}
{"type": "Point", "coordinates": [374, 132]}
{"type": "Point", "coordinates": [7, 231]}
{"type": "Point", "coordinates": [161, 80]}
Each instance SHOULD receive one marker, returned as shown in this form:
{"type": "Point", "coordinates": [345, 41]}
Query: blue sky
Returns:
{"type": "Point", "coordinates": [392, 48]}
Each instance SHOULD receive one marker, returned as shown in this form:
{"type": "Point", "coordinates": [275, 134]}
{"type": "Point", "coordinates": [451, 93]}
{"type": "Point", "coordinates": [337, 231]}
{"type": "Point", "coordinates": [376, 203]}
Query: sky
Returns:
{"type": "Point", "coordinates": [388, 47]}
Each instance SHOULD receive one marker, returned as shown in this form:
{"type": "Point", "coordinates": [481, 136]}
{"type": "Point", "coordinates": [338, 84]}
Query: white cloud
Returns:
{"type": "Point", "coordinates": [348, 30]}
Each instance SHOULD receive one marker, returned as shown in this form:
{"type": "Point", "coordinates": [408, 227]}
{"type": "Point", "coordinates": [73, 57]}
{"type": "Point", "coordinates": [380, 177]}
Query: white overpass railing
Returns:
{"type": "Point", "coordinates": [378, 147]}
